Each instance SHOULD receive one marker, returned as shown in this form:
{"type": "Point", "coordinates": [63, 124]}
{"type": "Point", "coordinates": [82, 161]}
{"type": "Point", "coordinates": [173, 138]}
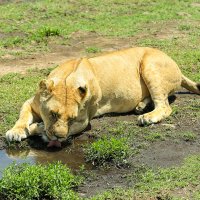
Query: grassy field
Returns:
{"type": "Point", "coordinates": [29, 28]}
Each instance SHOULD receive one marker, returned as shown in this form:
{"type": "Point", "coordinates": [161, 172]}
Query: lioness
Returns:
{"type": "Point", "coordinates": [119, 82]}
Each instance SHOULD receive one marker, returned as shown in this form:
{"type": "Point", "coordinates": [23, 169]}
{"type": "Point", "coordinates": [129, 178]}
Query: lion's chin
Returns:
{"type": "Point", "coordinates": [54, 143]}
{"type": "Point", "coordinates": [45, 138]}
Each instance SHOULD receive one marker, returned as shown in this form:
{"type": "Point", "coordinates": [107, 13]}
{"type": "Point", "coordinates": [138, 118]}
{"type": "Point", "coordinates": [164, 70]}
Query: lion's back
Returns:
{"type": "Point", "coordinates": [64, 70]}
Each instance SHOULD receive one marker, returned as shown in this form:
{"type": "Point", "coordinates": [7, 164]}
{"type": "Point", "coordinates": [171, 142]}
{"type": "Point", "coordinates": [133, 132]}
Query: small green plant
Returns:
{"type": "Point", "coordinates": [14, 41]}
{"type": "Point", "coordinates": [25, 181]}
{"type": "Point", "coordinates": [154, 136]}
{"type": "Point", "coordinates": [93, 50]}
{"type": "Point", "coordinates": [43, 33]}
{"type": "Point", "coordinates": [184, 27]}
{"type": "Point", "coordinates": [108, 149]}
{"type": "Point", "coordinates": [49, 31]}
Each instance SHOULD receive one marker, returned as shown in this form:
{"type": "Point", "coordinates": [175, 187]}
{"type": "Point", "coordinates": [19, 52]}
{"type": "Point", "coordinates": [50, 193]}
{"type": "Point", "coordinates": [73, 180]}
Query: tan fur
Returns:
{"type": "Point", "coordinates": [81, 89]}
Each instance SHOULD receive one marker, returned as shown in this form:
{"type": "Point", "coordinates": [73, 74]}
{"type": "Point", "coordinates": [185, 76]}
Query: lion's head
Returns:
{"type": "Point", "coordinates": [62, 108]}
{"type": "Point", "coordinates": [67, 104]}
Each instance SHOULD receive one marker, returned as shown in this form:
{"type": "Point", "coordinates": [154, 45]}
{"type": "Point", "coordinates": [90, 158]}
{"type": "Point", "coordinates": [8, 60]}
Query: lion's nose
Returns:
{"type": "Point", "coordinates": [60, 132]}
{"type": "Point", "coordinates": [60, 135]}
{"type": "Point", "coordinates": [56, 138]}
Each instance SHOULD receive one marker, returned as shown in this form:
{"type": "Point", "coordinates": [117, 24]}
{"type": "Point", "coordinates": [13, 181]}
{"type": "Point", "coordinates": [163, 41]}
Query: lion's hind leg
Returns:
{"type": "Point", "coordinates": [160, 84]}
{"type": "Point", "coordinates": [161, 111]}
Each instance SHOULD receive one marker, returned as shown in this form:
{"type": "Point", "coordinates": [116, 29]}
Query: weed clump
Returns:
{"type": "Point", "coordinates": [189, 136]}
{"type": "Point", "coordinates": [154, 136]}
{"type": "Point", "coordinates": [93, 50]}
{"type": "Point", "coordinates": [108, 149]}
{"type": "Point", "coordinates": [25, 181]}
{"type": "Point", "coordinates": [49, 31]}
{"type": "Point", "coordinates": [45, 32]}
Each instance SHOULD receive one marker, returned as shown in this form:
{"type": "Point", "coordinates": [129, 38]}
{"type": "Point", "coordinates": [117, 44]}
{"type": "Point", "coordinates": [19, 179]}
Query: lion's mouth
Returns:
{"type": "Point", "coordinates": [54, 143]}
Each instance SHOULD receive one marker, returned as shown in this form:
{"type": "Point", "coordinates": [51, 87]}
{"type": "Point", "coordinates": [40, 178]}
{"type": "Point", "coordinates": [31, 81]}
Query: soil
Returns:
{"type": "Point", "coordinates": [158, 154]}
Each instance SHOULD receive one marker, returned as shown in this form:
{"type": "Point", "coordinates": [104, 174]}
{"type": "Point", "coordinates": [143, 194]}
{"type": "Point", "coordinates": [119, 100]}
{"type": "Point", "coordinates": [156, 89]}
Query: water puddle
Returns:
{"type": "Point", "coordinates": [72, 155]}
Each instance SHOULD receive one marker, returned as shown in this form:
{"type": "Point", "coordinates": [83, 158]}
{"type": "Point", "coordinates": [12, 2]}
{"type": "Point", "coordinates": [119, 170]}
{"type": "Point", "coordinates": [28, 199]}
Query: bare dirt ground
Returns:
{"type": "Point", "coordinates": [60, 53]}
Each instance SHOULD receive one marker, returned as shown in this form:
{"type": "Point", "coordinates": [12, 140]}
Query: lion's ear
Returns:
{"type": "Point", "coordinates": [46, 85]}
{"type": "Point", "coordinates": [82, 91]}
{"type": "Point", "coordinates": [42, 84]}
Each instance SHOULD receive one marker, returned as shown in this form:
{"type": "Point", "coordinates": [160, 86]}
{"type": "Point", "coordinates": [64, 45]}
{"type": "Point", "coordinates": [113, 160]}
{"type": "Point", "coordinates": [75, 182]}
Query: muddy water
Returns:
{"type": "Point", "coordinates": [72, 155]}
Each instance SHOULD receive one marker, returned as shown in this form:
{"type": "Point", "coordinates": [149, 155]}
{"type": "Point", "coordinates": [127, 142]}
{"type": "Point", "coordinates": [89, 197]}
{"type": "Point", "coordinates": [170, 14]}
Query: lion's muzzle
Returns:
{"type": "Point", "coordinates": [57, 131]}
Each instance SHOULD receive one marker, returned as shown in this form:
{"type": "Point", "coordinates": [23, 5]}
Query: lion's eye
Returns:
{"type": "Point", "coordinates": [55, 115]}
{"type": "Point", "coordinates": [70, 121]}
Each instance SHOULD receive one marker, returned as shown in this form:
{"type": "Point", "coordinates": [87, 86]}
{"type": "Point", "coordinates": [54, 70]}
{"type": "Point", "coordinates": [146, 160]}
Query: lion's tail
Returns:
{"type": "Point", "coordinates": [190, 85]}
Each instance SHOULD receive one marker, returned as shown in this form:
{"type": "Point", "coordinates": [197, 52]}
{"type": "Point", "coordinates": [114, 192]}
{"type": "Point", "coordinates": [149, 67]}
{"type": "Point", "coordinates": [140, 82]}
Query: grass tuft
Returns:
{"type": "Point", "coordinates": [93, 50]}
{"type": "Point", "coordinates": [189, 136]}
{"type": "Point", "coordinates": [24, 181]}
{"type": "Point", "coordinates": [154, 136]}
{"type": "Point", "coordinates": [108, 149]}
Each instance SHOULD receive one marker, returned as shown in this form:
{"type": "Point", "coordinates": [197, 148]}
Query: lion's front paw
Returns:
{"type": "Point", "coordinates": [37, 129]}
{"type": "Point", "coordinates": [16, 134]}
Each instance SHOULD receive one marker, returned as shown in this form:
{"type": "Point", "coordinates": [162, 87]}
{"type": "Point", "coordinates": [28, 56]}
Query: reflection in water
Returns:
{"type": "Point", "coordinates": [72, 156]}
{"type": "Point", "coordinates": [5, 160]}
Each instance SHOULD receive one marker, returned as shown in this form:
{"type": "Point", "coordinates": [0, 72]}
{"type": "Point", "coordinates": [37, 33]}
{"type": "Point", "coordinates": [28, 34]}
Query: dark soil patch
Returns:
{"type": "Point", "coordinates": [167, 153]}
{"type": "Point", "coordinates": [98, 181]}
{"type": "Point", "coordinates": [2, 143]}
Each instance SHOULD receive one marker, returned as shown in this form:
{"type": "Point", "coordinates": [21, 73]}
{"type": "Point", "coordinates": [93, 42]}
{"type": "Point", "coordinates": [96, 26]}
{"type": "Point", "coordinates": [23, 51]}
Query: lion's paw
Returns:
{"type": "Point", "coordinates": [16, 134]}
{"type": "Point", "coordinates": [147, 119]}
{"type": "Point", "coordinates": [140, 108]}
{"type": "Point", "coordinates": [37, 129]}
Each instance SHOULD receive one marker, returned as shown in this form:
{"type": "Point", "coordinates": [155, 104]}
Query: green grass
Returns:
{"type": "Point", "coordinates": [26, 182]}
{"type": "Point", "coordinates": [184, 27]}
{"type": "Point", "coordinates": [154, 136]}
{"type": "Point", "coordinates": [189, 136]}
{"type": "Point", "coordinates": [175, 177]}
{"type": "Point", "coordinates": [124, 140]}
{"type": "Point", "coordinates": [15, 89]}
{"type": "Point", "coordinates": [93, 49]}
{"type": "Point", "coordinates": [26, 24]}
